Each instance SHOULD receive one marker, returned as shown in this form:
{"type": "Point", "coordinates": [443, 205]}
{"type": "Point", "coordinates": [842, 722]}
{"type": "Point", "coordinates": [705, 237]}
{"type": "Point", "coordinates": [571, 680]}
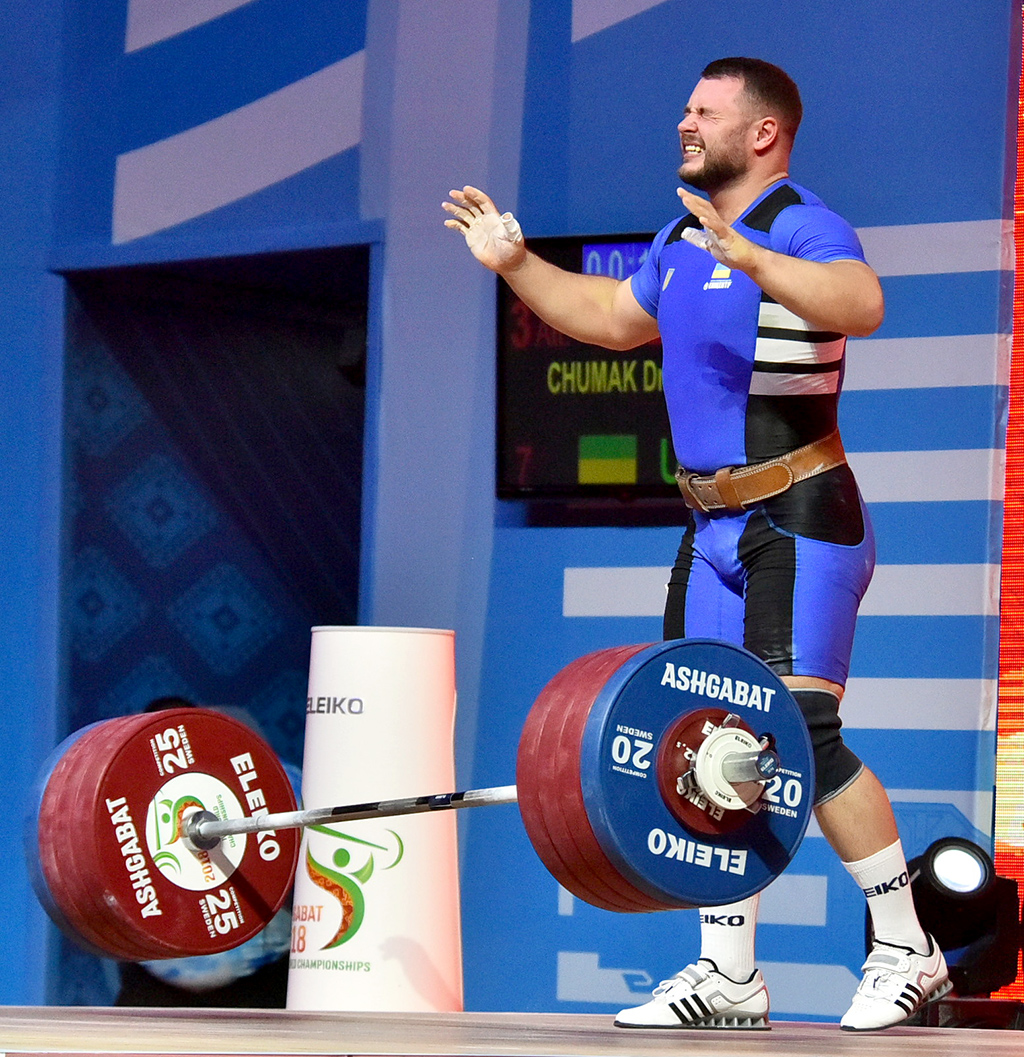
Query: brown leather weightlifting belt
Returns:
{"type": "Point", "coordinates": [734, 488]}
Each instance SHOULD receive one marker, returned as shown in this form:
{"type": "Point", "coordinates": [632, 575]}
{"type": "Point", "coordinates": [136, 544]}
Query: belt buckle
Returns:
{"type": "Point", "coordinates": [690, 497]}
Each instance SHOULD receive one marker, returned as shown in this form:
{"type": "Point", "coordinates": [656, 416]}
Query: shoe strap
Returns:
{"type": "Point", "coordinates": [691, 976]}
{"type": "Point", "coordinates": [882, 984]}
{"type": "Point", "coordinates": [890, 959]}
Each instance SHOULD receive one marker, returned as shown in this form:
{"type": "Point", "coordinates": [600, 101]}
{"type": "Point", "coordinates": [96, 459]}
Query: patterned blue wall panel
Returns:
{"type": "Point", "coordinates": [104, 608]}
{"type": "Point", "coordinates": [225, 619]}
{"type": "Point", "coordinates": [160, 511]}
{"type": "Point", "coordinates": [164, 594]}
{"type": "Point", "coordinates": [104, 406]}
{"type": "Point", "coordinates": [214, 485]}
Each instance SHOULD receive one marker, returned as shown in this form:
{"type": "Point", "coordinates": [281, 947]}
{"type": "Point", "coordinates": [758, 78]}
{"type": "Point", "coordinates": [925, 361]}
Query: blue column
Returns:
{"type": "Point", "coordinates": [444, 108]}
{"type": "Point", "coordinates": [30, 463]}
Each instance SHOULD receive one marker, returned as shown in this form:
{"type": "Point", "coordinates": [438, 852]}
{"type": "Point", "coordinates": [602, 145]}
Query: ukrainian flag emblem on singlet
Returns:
{"type": "Point", "coordinates": [721, 278]}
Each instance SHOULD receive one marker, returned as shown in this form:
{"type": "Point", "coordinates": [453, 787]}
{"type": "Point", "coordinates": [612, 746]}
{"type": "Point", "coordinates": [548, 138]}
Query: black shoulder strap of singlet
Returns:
{"type": "Point", "coordinates": [689, 221]}
{"type": "Point", "coordinates": [763, 215]}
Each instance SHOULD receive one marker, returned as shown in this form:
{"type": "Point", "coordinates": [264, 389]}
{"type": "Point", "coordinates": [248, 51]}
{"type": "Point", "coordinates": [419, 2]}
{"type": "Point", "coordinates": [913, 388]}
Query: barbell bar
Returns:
{"type": "Point", "coordinates": [642, 782]}
{"type": "Point", "coordinates": [205, 830]}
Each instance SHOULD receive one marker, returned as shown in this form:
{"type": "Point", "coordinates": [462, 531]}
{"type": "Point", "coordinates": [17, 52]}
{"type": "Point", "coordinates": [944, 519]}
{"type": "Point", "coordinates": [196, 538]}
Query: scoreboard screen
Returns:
{"type": "Point", "coordinates": [576, 419]}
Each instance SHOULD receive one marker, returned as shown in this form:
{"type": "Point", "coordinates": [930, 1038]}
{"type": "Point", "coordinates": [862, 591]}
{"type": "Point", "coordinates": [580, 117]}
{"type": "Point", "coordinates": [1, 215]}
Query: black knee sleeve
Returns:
{"type": "Point", "coordinates": [835, 765]}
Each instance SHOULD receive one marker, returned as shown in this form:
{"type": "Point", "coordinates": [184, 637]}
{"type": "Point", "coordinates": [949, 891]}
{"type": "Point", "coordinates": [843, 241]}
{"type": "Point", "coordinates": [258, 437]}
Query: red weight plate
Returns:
{"type": "Point", "coordinates": [31, 828]}
{"type": "Point", "coordinates": [540, 758]}
{"type": "Point", "coordinates": [530, 794]}
{"type": "Point", "coordinates": [591, 856]}
{"type": "Point", "coordinates": [88, 886]}
{"type": "Point", "coordinates": [78, 871]}
{"type": "Point", "coordinates": [60, 843]}
{"type": "Point", "coordinates": [82, 873]}
{"type": "Point", "coordinates": [550, 797]}
{"type": "Point", "coordinates": [193, 903]}
{"type": "Point", "coordinates": [675, 754]}
{"type": "Point", "coordinates": [561, 810]}
{"type": "Point", "coordinates": [51, 844]}
{"type": "Point", "coordinates": [533, 792]}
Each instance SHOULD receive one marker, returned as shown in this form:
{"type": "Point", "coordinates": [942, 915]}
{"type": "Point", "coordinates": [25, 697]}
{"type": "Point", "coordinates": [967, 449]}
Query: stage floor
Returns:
{"type": "Point", "coordinates": [51, 1030]}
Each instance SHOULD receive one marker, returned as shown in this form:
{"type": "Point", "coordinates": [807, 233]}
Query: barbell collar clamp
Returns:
{"type": "Point", "coordinates": [750, 766]}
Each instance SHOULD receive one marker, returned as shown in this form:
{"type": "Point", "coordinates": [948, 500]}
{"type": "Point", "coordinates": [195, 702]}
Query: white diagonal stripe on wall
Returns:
{"type": "Point", "coordinates": [616, 591]}
{"type": "Point", "coordinates": [591, 16]}
{"type": "Point", "coordinates": [932, 591]}
{"type": "Point", "coordinates": [920, 704]}
{"type": "Point", "coordinates": [929, 476]}
{"type": "Point", "coordinates": [930, 249]}
{"type": "Point", "coordinates": [240, 153]}
{"type": "Point", "coordinates": [927, 363]}
{"type": "Point", "coordinates": [795, 899]}
{"type": "Point", "coordinates": [150, 21]}
{"type": "Point", "coordinates": [896, 590]}
{"type": "Point", "coordinates": [974, 804]}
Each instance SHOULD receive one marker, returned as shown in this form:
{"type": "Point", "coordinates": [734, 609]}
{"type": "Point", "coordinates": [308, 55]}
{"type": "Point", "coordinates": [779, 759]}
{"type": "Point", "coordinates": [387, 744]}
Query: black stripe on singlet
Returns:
{"type": "Point", "coordinates": [674, 626]}
{"type": "Point", "coordinates": [676, 234]}
{"type": "Point", "coordinates": [768, 367]}
{"type": "Point", "coordinates": [763, 215]}
{"type": "Point", "coordinates": [769, 559]}
{"type": "Point", "coordinates": [818, 337]}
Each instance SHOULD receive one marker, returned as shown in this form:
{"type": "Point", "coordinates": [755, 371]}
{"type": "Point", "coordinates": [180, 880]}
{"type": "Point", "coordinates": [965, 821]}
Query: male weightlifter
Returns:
{"type": "Point", "coordinates": [753, 294]}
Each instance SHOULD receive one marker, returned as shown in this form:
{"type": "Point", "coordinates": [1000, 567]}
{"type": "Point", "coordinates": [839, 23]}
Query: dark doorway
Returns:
{"type": "Point", "coordinates": [215, 423]}
{"type": "Point", "coordinates": [214, 440]}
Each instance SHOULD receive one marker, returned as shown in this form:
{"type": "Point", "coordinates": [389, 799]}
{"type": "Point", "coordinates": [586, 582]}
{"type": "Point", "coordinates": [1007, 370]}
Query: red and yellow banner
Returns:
{"type": "Point", "coordinates": [1009, 812]}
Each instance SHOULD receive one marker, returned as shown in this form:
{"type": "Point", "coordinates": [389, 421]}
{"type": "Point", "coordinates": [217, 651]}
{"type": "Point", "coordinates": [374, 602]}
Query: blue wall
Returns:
{"type": "Point", "coordinates": [288, 124]}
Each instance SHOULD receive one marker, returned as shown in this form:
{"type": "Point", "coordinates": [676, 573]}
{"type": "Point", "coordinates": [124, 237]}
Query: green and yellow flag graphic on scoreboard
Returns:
{"type": "Point", "coordinates": [608, 459]}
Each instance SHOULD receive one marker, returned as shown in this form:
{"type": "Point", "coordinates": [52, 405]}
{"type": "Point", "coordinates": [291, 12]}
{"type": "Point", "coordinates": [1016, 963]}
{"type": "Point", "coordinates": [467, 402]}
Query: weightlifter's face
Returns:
{"type": "Point", "coordinates": [716, 134]}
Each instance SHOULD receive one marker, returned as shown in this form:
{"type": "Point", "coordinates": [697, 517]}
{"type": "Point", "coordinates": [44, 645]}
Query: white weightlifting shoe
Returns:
{"type": "Point", "coordinates": [702, 997]}
{"type": "Point", "coordinates": [897, 983]}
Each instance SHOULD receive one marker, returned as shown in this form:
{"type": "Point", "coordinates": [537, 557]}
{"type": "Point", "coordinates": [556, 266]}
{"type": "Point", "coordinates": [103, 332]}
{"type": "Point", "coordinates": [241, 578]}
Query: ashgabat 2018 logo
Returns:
{"type": "Point", "coordinates": [194, 870]}
{"type": "Point", "coordinates": [353, 864]}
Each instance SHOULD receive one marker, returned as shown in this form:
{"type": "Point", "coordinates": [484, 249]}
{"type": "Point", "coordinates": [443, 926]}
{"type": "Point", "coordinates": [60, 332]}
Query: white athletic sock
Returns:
{"type": "Point", "coordinates": [884, 880]}
{"type": "Point", "coordinates": [727, 937]}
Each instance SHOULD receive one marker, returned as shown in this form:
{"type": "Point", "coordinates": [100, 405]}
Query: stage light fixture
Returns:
{"type": "Point", "coordinates": [973, 914]}
{"type": "Point", "coordinates": [960, 868]}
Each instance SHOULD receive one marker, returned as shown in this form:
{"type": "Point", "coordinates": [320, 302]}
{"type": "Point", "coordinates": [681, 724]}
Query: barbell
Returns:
{"type": "Point", "coordinates": [648, 777]}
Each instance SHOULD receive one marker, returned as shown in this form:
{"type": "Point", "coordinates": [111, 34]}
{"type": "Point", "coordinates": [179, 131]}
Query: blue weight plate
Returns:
{"type": "Point", "coordinates": [631, 821]}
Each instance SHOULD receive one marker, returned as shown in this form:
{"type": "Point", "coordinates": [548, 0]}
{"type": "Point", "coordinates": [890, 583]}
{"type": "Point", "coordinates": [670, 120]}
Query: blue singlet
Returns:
{"type": "Point", "coordinates": [747, 380]}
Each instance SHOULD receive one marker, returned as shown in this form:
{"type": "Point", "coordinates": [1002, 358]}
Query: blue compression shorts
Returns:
{"type": "Point", "coordinates": [783, 579]}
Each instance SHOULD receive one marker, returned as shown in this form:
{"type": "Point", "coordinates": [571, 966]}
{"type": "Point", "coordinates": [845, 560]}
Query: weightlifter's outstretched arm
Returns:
{"type": "Point", "coordinates": [591, 308]}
